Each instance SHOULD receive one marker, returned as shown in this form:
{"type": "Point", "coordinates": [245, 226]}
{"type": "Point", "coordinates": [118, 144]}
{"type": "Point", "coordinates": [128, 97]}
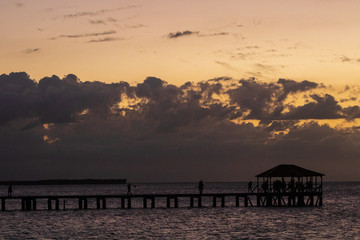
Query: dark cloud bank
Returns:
{"type": "Point", "coordinates": [155, 131]}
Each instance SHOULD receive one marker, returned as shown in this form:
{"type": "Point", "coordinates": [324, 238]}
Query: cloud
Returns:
{"type": "Point", "coordinates": [135, 26]}
{"type": "Point", "coordinates": [291, 86]}
{"type": "Point", "coordinates": [351, 99]}
{"type": "Point", "coordinates": [195, 33]}
{"type": "Point", "coordinates": [32, 50]}
{"type": "Point", "coordinates": [19, 4]}
{"type": "Point", "coordinates": [96, 22]}
{"type": "Point", "coordinates": [220, 79]}
{"type": "Point", "coordinates": [106, 39]}
{"type": "Point", "coordinates": [264, 67]}
{"type": "Point", "coordinates": [255, 98]}
{"type": "Point", "coordinates": [214, 34]}
{"type": "Point", "coordinates": [153, 131]}
{"type": "Point", "coordinates": [226, 65]}
{"type": "Point", "coordinates": [84, 35]}
{"type": "Point", "coordinates": [323, 107]}
{"type": "Point", "coordinates": [344, 58]}
{"type": "Point", "coordinates": [182, 34]}
{"type": "Point", "coordinates": [54, 100]}
{"type": "Point", "coordinates": [113, 20]}
{"type": "Point", "coordinates": [97, 13]}
{"type": "Point", "coordinates": [252, 47]}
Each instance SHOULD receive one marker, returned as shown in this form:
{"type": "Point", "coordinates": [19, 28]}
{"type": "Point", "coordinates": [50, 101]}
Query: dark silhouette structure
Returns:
{"type": "Point", "coordinates": [250, 187]}
{"type": "Point", "coordinates": [10, 190]}
{"type": "Point", "coordinates": [304, 187]}
{"type": "Point", "coordinates": [201, 186]}
{"type": "Point", "coordinates": [283, 185]}
{"type": "Point", "coordinates": [129, 189]}
{"type": "Point", "coordinates": [66, 182]}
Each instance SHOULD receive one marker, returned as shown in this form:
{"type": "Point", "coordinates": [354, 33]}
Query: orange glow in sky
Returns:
{"type": "Point", "coordinates": [115, 41]}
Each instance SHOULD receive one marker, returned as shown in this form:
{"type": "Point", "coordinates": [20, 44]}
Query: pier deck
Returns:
{"type": "Point", "coordinates": [290, 199]}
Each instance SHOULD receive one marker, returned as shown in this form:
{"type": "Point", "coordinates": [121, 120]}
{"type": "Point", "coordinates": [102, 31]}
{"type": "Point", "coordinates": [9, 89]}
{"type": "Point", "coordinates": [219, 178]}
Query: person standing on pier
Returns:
{"type": "Point", "coordinates": [250, 187]}
{"type": "Point", "coordinates": [10, 190]}
{"type": "Point", "coordinates": [265, 186]}
{"type": "Point", "coordinates": [201, 186]}
{"type": "Point", "coordinates": [129, 189]}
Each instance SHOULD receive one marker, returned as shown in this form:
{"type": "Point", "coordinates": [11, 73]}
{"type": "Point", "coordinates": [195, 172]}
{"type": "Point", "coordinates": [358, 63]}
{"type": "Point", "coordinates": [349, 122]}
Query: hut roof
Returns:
{"type": "Point", "coordinates": [285, 170]}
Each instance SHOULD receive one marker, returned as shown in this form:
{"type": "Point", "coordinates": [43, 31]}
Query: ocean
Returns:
{"type": "Point", "coordinates": [338, 218]}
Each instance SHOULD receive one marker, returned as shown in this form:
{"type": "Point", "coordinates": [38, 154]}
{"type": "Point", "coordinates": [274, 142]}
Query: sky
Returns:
{"type": "Point", "coordinates": [178, 90]}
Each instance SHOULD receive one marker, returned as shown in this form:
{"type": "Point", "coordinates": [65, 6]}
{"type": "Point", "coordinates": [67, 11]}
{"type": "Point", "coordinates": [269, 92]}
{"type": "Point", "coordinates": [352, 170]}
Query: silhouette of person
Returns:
{"type": "Point", "coordinates": [10, 190]}
{"type": "Point", "coordinates": [292, 184]}
{"type": "Point", "coordinates": [129, 189]}
{"type": "Point", "coordinates": [201, 186]}
{"type": "Point", "coordinates": [250, 186]}
{"type": "Point", "coordinates": [265, 186]}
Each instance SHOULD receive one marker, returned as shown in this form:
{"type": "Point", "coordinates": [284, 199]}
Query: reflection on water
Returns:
{"type": "Point", "coordinates": [339, 218]}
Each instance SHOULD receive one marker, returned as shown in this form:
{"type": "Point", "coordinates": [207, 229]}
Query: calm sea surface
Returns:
{"type": "Point", "coordinates": [338, 218]}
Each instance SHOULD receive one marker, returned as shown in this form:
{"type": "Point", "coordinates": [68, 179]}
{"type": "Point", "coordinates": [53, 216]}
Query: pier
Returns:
{"type": "Point", "coordinates": [281, 186]}
{"type": "Point", "coordinates": [31, 203]}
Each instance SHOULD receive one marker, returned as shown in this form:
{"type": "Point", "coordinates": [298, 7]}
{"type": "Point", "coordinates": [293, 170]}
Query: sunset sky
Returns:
{"type": "Point", "coordinates": [171, 90]}
{"type": "Point", "coordinates": [114, 40]}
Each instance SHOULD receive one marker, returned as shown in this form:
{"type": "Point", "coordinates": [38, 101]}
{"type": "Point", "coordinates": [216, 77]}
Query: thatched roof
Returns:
{"type": "Point", "coordinates": [285, 170]}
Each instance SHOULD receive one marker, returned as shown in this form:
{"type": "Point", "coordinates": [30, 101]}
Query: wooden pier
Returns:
{"type": "Point", "coordinates": [281, 186]}
{"type": "Point", "coordinates": [252, 199]}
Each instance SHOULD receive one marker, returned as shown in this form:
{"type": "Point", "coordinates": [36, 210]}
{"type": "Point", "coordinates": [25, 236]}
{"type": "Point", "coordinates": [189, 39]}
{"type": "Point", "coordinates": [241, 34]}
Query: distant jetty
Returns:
{"type": "Point", "coordinates": [66, 182]}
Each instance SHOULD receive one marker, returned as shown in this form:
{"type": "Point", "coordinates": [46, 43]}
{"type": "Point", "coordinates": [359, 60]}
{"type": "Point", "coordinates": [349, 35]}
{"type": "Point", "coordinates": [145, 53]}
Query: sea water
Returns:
{"type": "Point", "coordinates": [338, 218]}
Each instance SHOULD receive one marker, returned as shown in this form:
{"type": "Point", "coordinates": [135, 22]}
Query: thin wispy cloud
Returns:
{"type": "Point", "coordinates": [32, 50]}
{"type": "Point", "coordinates": [195, 33]}
{"type": "Point", "coordinates": [226, 65]}
{"type": "Point", "coordinates": [182, 34]}
{"type": "Point", "coordinates": [252, 47]}
{"type": "Point", "coordinates": [96, 34]}
{"type": "Point", "coordinates": [19, 4]}
{"type": "Point", "coordinates": [95, 22]}
{"type": "Point", "coordinates": [344, 58]}
{"type": "Point", "coordinates": [113, 20]}
{"type": "Point", "coordinates": [106, 39]}
{"type": "Point", "coordinates": [214, 34]}
{"type": "Point", "coordinates": [97, 13]}
{"type": "Point", "coordinates": [135, 26]}
{"type": "Point", "coordinates": [220, 79]}
{"type": "Point", "coordinates": [264, 67]}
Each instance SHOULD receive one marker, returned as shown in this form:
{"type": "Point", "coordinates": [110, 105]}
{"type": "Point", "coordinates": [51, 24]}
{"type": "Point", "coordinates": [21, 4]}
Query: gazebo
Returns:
{"type": "Point", "coordinates": [290, 180]}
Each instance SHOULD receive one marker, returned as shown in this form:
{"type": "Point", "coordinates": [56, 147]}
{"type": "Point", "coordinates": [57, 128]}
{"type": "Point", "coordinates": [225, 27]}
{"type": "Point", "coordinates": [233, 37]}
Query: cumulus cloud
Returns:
{"type": "Point", "coordinates": [252, 99]}
{"type": "Point", "coordinates": [323, 107]}
{"type": "Point", "coordinates": [156, 131]}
